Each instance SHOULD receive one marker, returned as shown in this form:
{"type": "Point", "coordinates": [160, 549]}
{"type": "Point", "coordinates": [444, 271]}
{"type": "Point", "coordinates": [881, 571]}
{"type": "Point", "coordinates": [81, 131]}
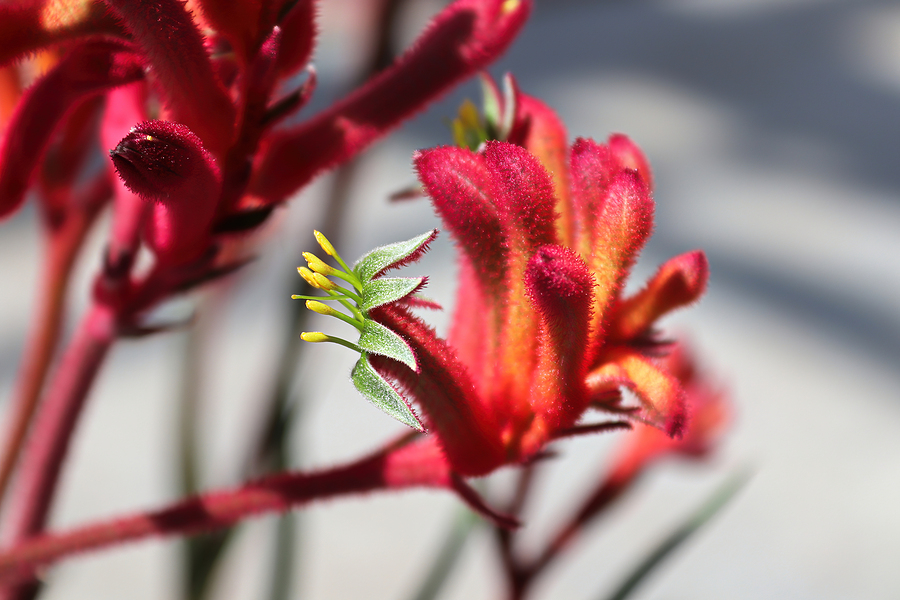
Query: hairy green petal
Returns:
{"type": "Point", "coordinates": [382, 394]}
{"type": "Point", "coordinates": [391, 256]}
{"type": "Point", "coordinates": [378, 339]}
{"type": "Point", "coordinates": [384, 290]}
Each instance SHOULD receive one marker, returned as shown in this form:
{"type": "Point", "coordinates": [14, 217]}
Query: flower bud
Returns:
{"type": "Point", "coordinates": [167, 163]}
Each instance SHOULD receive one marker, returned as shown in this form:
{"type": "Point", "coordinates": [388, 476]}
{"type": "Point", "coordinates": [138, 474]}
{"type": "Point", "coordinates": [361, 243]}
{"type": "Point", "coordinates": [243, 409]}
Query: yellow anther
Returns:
{"type": "Point", "coordinates": [322, 309]}
{"type": "Point", "coordinates": [323, 283]}
{"type": "Point", "coordinates": [318, 265]}
{"type": "Point", "coordinates": [509, 6]}
{"type": "Point", "coordinates": [468, 115]}
{"type": "Point", "coordinates": [307, 276]}
{"type": "Point", "coordinates": [313, 336]}
{"type": "Point", "coordinates": [326, 245]}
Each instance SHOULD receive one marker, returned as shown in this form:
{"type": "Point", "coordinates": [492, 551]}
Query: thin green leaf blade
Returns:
{"type": "Point", "coordinates": [385, 257]}
{"type": "Point", "coordinates": [378, 339]}
{"type": "Point", "coordinates": [700, 517]}
{"type": "Point", "coordinates": [382, 394]}
{"type": "Point", "coordinates": [448, 555]}
{"type": "Point", "coordinates": [385, 290]}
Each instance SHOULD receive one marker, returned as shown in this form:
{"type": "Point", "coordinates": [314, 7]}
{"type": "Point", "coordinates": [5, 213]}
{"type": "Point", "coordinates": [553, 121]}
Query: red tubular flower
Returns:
{"type": "Point", "coordinates": [217, 162]}
{"type": "Point", "coordinates": [166, 163]}
{"type": "Point", "coordinates": [89, 69]}
{"type": "Point", "coordinates": [709, 414]}
{"type": "Point", "coordinates": [541, 331]}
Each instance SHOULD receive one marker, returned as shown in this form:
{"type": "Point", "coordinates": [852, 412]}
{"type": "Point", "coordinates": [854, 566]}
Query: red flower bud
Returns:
{"type": "Point", "coordinates": [167, 163]}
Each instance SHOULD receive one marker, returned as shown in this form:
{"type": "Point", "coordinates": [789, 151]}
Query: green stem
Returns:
{"type": "Point", "coordinates": [675, 539]}
{"type": "Point", "coordinates": [448, 555]}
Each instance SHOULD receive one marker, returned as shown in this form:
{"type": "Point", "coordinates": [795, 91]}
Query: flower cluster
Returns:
{"type": "Point", "coordinates": [542, 331]}
{"type": "Point", "coordinates": [199, 108]}
{"type": "Point", "coordinates": [198, 111]}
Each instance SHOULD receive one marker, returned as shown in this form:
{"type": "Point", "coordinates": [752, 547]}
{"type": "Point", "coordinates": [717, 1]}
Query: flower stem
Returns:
{"type": "Point", "coordinates": [43, 337]}
{"type": "Point", "coordinates": [49, 441]}
{"type": "Point", "coordinates": [399, 465]}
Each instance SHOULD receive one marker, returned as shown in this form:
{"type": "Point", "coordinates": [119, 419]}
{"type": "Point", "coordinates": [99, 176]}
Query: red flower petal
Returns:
{"type": "Point", "coordinates": [88, 69]}
{"type": "Point", "coordinates": [462, 421]}
{"type": "Point", "coordinates": [165, 162]}
{"type": "Point", "coordinates": [26, 26]}
{"type": "Point", "coordinates": [660, 393]}
{"type": "Point", "coordinates": [680, 281]}
{"type": "Point", "coordinates": [174, 47]}
{"type": "Point", "coordinates": [463, 38]}
{"type": "Point", "coordinates": [622, 227]}
{"type": "Point", "coordinates": [561, 288]}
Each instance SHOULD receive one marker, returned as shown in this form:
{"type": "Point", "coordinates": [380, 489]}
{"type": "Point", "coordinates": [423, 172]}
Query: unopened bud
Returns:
{"type": "Point", "coordinates": [157, 159]}
{"type": "Point", "coordinates": [313, 336]}
{"type": "Point", "coordinates": [307, 276]}
{"type": "Point", "coordinates": [326, 245]}
{"type": "Point", "coordinates": [322, 309]}
{"type": "Point", "coordinates": [318, 265]}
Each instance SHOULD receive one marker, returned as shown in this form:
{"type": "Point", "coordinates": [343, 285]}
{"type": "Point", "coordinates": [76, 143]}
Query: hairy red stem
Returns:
{"type": "Point", "coordinates": [49, 441]}
{"type": "Point", "coordinates": [44, 336]}
{"type": "Point", "coordinates": [396, 467]}
{"type": "Point", "coordinates": [464, 37]}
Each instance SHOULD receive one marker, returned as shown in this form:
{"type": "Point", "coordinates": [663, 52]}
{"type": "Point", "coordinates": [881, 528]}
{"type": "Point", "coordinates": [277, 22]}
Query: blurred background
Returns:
{"type": "Point", "coordinates": [773, 127]}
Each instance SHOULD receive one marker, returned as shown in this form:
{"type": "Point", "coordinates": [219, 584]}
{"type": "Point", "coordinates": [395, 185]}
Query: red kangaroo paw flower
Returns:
{"type": "Point", "coordinates": [88, 69]}
{"type": "Point", "coordinates": [124, 108]}
{"type": "Point", "coordinates": [239, 21]}
{"type": "Point", "coordinates": [540, 327]}
{"type": "Point", "coordinates": [707, 415]}
{"type": "Point", "coordinates": [532, 344]}
{"type": "Point", "coordinates": [463, 423]}
{"type": "Point", "coordinates": [166, 163]}
{"type": "Point", "coordinates": [29, 25]}
{"type": "Point", "coordinates": [64, 162]}
{"type": "Point", "coordinates": [174, 48]}
{"type": "Point", "coordinates": [659, 391]}
{"type": "Point", "coordinates": [561, 288]}
{"type": "Point", "coordinates": [680, 281]}
{"type": "Point", "coordinates": [621, 227]}
{"type": "Point", "coordinates": [10, 91]}
{"type": "Point", "coordinates": [462, 39]}
{"type": "Point", "coordinates": [627, 155]}
{"type": "Point", "coordinates": [540, 130]}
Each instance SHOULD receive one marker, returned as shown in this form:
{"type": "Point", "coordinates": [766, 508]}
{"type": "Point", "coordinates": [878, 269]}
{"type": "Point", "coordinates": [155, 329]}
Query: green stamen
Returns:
{"type": "Point", "coordinates": [319, 337]}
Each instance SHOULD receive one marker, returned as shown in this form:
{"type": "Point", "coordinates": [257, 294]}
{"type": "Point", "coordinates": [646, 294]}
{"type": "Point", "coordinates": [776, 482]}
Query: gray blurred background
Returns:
{"type": "Point", "coordinates": [773, 127]}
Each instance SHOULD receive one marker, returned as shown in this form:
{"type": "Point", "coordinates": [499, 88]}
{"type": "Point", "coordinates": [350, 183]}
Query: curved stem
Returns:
{"type": "Point", "coordinates": [42, 339]}
{"type": "Point", "coordinates": [602, 496]}
{"type": "Point", "coordinates": [52, 432]}
{"type": "Point", "coordinates": [55, 423]}
{"type": "Point", "coordinates": [400, 465]}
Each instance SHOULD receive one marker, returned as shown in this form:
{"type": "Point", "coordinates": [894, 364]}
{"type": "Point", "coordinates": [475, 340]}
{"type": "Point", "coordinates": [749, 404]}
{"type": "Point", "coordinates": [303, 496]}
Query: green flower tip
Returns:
{"type": "Point", "coordinates": [369, 290]}
{"type": "Point", "coordinates": [470, 128]}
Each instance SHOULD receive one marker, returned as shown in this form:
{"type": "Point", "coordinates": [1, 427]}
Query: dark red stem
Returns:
{"type": "Point", "coordinates": [395, 467]}
{"type": "Point", "coordinates": [43, 337]}
{"type": "Point", "coordinates": [53, 428]}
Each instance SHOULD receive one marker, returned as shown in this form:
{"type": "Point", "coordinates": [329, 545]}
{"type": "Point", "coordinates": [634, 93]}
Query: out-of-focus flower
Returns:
{"type": "Point", "coordinates": [708, 411]}
{"type": "Point", "coordinates": [225, 79]}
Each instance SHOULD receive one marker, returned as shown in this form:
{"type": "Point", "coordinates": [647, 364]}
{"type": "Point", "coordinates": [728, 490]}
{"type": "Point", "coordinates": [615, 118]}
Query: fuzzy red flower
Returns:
{"type": "Point", "coordinates": [541, 331]}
